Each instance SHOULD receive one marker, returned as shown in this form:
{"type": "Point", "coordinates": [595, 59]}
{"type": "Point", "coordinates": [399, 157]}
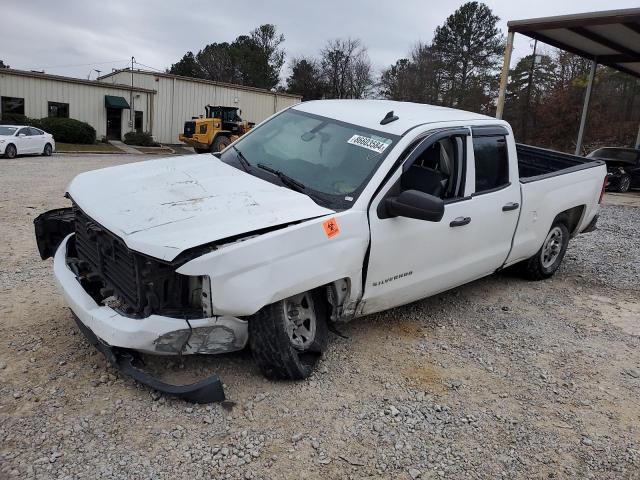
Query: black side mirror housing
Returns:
{"type": "Point", "coordinates": [416, 204]}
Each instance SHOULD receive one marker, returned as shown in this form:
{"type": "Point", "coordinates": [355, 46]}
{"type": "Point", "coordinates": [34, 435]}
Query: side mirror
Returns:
{"type": "Point", "coordinates": [416, 204]}
{"type": "Point", "coordinates": [22, 134]}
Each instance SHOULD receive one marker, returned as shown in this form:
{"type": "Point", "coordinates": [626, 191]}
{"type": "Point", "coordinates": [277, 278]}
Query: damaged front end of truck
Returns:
{"type": "Point", "coordinates": [140, 288]}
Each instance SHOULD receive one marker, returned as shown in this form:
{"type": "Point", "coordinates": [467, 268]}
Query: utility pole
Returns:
{"type": "Point", "coordinates": [132, 121]}
{"type": "Point", "coordinates": [504, 77]}
{"type": "Point", "coordinates": [525, 135]}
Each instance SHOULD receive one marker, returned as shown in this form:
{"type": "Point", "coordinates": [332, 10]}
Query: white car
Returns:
{"type": "Point", "coordinates": [25, 140]}
{"type": "Point", "coordinates": [327, 211]}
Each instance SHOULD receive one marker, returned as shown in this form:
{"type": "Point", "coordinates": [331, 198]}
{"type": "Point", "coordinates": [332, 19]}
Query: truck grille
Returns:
{"type": "Point", "coordinates": [106, 257]}
{"type": "Point", "coordinates": [141, 285]}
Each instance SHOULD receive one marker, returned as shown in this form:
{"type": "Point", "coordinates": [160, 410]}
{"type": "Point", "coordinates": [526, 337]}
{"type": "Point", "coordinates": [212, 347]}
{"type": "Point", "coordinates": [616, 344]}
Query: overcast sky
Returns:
{"type": "Point", "coordinates": [72, 37]}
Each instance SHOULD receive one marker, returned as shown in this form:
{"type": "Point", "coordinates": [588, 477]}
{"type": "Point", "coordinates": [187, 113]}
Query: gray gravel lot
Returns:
{"type": "Point", "coordinates": [500, 378]}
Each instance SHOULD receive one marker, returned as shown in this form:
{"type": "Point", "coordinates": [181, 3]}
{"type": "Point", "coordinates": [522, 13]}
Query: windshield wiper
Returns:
{"type": "Point", "coordinates": [242, 159]}
{"type": "Point", "coordinates": [292, 183]}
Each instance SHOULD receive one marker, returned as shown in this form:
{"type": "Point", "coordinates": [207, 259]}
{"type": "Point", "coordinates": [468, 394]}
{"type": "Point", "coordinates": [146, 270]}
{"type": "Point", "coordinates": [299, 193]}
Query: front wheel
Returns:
{"type": "Point", "coordinates": [288, 337]}
{"type": "Point", "coordinates": [47, 150]}
{"type": "Point", "coordinates": [625, 183]}
{"type": "Point", "coordinates": [10, 151]}
{"type": "Point", "coordinates": [220, 143]}
{"type": "Point", "coordinates": [548, 259]}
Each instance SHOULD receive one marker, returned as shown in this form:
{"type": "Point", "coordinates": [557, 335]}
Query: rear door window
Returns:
{"type": "Point", "coordinates": [492, 162]}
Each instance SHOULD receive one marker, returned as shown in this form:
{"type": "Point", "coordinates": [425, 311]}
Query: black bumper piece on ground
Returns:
{"type": "Point", "coordinates": [205, 391]}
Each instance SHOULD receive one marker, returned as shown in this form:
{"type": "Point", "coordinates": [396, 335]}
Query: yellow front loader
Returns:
{"type": "Point", "coordinates": [214, 132]}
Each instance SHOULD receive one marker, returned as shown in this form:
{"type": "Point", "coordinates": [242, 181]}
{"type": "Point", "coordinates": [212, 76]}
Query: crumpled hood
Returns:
{"type": "Point", "coordinates": [163, 207]}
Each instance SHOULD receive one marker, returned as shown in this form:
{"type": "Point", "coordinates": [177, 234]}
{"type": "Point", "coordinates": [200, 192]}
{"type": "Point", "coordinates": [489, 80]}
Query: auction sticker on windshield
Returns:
{"type": "Point", "coordinates": [369, 143]}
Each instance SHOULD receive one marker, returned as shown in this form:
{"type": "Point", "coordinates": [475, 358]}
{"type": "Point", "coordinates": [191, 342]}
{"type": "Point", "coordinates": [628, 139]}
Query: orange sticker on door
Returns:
{"type": "Point", "coordinates": [331, 227]}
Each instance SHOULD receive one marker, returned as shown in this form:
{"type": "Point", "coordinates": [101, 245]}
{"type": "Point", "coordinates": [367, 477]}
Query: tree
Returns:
{"type": "Point", "coordinates": [267, 42]}
{"type": "Point", "coordinates": [187, 66]}
{"type": "Point", "coordinates": [255, 60]}
{"type": "Point", "coordinates": [413, 79]}
{"type": "Point", "coordinates": [3, 65]}
{"type": "Point", "coordinates": [346, 69]}
{"type": "Point", "coordinates": [218, 63]}
{"type": "Point", "coordinates": [305, 79]}
{"type": "Point", "coordinates": [469, 46]}
{"type": "Point", "coordinates": [530, 82]}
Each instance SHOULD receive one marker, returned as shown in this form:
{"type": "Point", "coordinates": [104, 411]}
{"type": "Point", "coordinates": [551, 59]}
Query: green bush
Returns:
{"type": "Point", "coordinates": [140, 139]}
{"type": "Point", "coordinates": [68, 130]}
{"type": "Point", "coordinates": [18, 119]}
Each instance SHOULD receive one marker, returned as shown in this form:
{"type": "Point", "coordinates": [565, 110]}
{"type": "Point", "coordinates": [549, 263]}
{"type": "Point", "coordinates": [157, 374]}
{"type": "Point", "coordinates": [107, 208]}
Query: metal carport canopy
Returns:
{"type": "Point", "coordinates": [610, 38]}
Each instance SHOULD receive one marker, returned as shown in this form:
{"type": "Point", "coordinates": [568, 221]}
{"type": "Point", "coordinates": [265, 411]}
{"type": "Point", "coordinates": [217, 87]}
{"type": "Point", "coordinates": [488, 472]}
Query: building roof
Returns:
{"type": "Point", "coordinates": [368, 113]}
{"type": "Point", "coordinates": [611, 37]}
{"type": "Point", "coordinates": [201, 80]}
{"type": "Point", "coordinates": [60, 78]}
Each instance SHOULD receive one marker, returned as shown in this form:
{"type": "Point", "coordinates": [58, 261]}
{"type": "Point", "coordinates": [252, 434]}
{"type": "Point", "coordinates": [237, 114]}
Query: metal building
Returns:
{"type": "Point", "coordinates": [123, 101]}
{"type": "Point", "coordinates": [104, 107]}
{"type": "Point", "coordinates": [179, 99]}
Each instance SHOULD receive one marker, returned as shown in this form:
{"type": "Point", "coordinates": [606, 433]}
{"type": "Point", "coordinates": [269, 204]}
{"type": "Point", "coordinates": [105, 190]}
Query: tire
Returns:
{"type": "Point", "coordinates": [48, 150]}
{"type": "Point", "coordinates": [547, 260]}
{"type": "Point", "coordinates": [201, 150]}
{"type": "Point", "coordinates": [624, 184]}
{"type": "Point", "coordinates": [10, 151]}
{"type": "Point", "coordinates": [282, 350]}
{"type": "Point", "coordinates": [220, 143]}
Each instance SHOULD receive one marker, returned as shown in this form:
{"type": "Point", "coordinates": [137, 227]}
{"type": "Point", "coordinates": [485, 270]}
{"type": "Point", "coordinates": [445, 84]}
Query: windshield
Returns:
{"type": "Point", "coordinates": [326, 156]}
{"type": "Point", "coordinates": [8, 130]}
{"type": "Point", "coordinates": [626, 155]}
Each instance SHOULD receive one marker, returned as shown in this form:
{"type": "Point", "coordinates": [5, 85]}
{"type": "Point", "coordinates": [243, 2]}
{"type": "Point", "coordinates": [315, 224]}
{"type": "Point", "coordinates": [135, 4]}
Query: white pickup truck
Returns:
{"type": "Point", "coordinates": [327, 211]}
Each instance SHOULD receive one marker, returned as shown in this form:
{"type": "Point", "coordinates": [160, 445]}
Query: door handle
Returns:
{"type": "Point", "coordinates": [510, 206]}
{"type": "Point", "coordinates": [460, 221]}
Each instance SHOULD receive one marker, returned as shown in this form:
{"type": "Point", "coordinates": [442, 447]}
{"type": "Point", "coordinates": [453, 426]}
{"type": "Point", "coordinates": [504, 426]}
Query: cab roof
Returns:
{"type": "Point", "coordinates": [369, 113]}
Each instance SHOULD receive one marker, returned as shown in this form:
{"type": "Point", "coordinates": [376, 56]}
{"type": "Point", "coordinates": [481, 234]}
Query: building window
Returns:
{"type": "Point", "coordinates": [12, 106]}
{"type": "Point", "coordinates": [138, 121]}
{"type": "Point", "coordinates": [59, 110]}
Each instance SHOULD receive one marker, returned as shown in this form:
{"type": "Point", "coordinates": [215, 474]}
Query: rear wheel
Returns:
{"type": "Point", "coordinates": [548, 259]}
{"type": "Point", "coordinates": [220, 143]}
{"type": "Point", "coordinates": [10, 151]}
{"type": "Point", "coordinates": [288, 337]}
{"type": "Point", "coordinates": [625, 183]}
{"type": "Point", "coordinates": [47, 150]}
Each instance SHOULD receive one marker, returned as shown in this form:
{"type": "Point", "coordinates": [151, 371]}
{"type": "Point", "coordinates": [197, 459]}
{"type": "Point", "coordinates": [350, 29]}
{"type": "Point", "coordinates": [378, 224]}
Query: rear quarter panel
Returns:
{"type": "Point", "coordinates": [544, 199]}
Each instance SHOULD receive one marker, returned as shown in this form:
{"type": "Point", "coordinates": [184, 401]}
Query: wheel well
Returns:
{"type": "Point", "coordinates": [336, 294]}
{"type": "Point", "coordinates": [571, 218]}
{"type": "Point", "coordinates": [226, 133]}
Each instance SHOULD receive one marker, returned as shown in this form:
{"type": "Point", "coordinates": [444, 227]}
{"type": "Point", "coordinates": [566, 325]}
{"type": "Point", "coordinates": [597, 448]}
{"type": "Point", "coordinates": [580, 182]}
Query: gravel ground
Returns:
{"type": "Point", "coordinates": [500, 378]}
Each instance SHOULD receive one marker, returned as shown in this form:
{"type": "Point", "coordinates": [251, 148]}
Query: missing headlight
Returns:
{"type": "Point", "coordinates": [205, 297]}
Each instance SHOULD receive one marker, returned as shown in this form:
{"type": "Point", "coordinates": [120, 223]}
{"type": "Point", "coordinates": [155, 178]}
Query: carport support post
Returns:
{"type": "Point", "coordinates": [638, 138]}
{"type": "Point", "coordinates": [504, 77]}
{"type": "Point", "coordinates": [585, 106]}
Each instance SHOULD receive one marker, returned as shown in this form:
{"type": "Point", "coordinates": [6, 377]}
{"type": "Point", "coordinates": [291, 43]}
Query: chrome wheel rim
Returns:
{"type": "Point", "coordinates": [300, 320]}
{"type": "Point", "coordinates": [551, 247]}
{"type": "Point", "coordinates": [624, 184]}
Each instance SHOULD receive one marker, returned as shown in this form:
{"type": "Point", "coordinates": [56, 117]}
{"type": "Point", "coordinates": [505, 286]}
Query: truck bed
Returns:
{"type": "Point", "coordinates": [535, 163]}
